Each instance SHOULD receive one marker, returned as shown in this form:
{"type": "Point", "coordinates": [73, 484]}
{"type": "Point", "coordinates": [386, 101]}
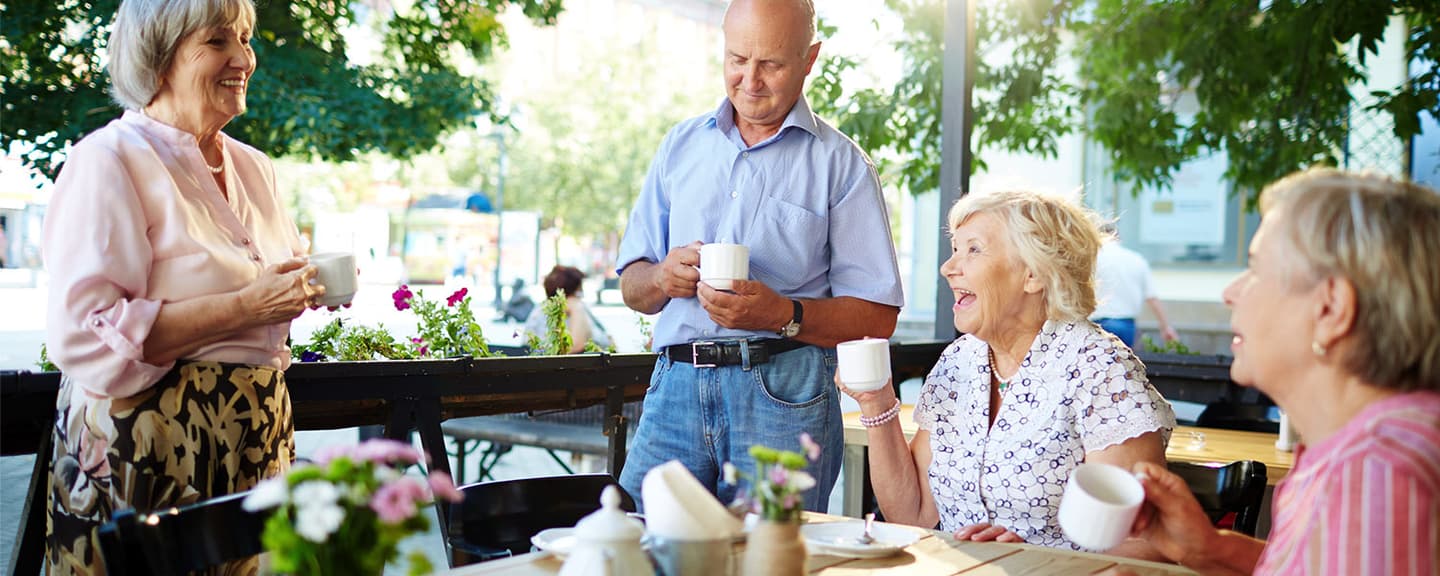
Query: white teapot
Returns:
{"type": "Point", "coordinates": [607, 542]}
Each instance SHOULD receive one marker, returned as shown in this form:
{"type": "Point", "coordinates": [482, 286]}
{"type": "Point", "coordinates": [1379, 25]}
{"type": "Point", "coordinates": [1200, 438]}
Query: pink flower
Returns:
{"type": "Point", "coordinates": [789, 502]}
{"type": "Point", "coordinates": [443, 487]}
{"type": "Point", "coordinates": [386, 451]}
{"type": "Point", "coordinates": [402, 297]}
{"type": "Point", "coordinates": [778, 475]}
{"type": "Point", "coordinates": [395, 502]}
{"type": "Point", "coordinates": [423, 349]}
{"type": "Point", "coordinates": [812, 450]}
{"type": "Point", "coordinates": [325, 454]}
{"type": "Point", "coordinates": [457, 296]}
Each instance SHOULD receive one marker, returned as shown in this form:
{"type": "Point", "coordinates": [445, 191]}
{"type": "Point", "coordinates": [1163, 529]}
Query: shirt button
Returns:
{"type": "Point", "coordinates": [245, 242]}
{"type": "Point", "coordinates": [745, 154]}
{"type": "Point", "coordinates": [98, 322]}
{"type": "Point", "coordinates": [734, 194]}
{"type": "Point", "coordinates": [255, 257]}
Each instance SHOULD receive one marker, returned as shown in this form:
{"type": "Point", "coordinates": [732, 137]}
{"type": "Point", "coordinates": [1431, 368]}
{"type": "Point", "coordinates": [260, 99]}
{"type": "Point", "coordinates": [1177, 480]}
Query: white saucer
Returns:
{"type": "Point", "coordinates": [840, 539]}
{"type": "Point", "coordinates": [557, 541]}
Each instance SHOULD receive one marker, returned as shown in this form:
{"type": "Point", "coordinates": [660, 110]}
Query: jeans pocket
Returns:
{"type": "Point", "coordinates": [790, 388]}
{"type": "Point", "coordinates": [662, 368]}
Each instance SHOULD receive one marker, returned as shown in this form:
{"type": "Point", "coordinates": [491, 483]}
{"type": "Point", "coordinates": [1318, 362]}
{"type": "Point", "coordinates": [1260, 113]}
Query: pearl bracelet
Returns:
{"type": "Point", "coordinates": [882, 418]}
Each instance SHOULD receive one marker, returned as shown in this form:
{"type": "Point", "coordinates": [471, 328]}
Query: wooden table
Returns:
{"type": "Point", "coordinates": [934, 553]}
{"type": "Point", "coordinates": [1220, 447]}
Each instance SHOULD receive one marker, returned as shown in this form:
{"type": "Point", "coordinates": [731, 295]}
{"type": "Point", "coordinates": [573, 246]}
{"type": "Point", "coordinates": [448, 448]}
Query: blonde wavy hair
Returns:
{"type": "Point", "coordinates": [1383, 236]}
{"type": "Point", "coordinates": [1056, 241]}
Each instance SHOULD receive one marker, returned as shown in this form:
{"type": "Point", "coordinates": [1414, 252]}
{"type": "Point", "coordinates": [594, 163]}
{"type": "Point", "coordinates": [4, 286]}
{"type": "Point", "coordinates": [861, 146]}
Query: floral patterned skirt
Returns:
{"type": "Point", "coordinates": [206, 429]}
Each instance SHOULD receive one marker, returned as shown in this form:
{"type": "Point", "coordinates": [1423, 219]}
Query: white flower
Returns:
{"type": "Point", "coordinates": [316, 493]}
{"type": "Point", "coordinates": [315, 522]}
{"type": "Point", "coordinates": [386, 474]}
{"type": "Point", "coordinates": [801, 480]}
{"type": "Point", "coordinates": [266, 495]}
{"type": "Point", "coordinates": [730, 473]}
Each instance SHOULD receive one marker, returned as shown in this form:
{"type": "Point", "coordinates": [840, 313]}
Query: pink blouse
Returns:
{"type": "Point", "coordinates": [1366, 500]}
{"type": "Point", "coordinates": [136, 221]}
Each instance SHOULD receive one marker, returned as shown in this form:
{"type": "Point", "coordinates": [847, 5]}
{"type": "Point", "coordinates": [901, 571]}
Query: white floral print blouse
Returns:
{"type": "Point", "coordinates": [1078, 390]}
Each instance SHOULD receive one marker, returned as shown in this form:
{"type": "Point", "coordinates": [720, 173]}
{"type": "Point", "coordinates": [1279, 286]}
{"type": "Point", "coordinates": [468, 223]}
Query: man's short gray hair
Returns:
{"type": "Point", "coordinates": [147, 33]}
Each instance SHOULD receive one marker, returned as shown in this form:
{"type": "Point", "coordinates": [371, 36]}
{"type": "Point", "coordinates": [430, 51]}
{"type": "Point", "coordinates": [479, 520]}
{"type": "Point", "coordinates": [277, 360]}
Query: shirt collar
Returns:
{"type": "Point", "coordinates": [800, 116]}
{"type": "Point", "coordinates": [158, 129]}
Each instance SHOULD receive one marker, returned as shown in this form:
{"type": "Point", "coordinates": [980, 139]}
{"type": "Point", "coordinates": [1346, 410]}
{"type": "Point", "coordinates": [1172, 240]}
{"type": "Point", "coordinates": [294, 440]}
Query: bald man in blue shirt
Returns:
{"type": "Point", "coordinates": [755, 365]}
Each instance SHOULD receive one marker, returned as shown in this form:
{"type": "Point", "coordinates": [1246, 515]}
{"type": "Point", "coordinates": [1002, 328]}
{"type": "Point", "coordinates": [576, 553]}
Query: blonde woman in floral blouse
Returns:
{"type": "Point", "coordinates": [1031, 390]}
{"type": "Point", "coordinates": [174, 274]}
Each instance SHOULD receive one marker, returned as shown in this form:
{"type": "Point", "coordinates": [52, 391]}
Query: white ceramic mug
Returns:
{"type": "Point", "coordinates": [863, 365]}
{"type": "Point", "coordinates": [1099, 505]}
{"type": "Point", "coordinates": [721, 264]}
{"type": "Point", "coordinates": [336, 272]}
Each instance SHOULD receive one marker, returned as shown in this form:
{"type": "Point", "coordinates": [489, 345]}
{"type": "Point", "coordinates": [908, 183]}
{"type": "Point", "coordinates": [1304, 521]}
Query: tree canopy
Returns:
{"type": "Point", "coordinates": [1272, 80]}
{"type": "Point", "coordinates": [308, 98]}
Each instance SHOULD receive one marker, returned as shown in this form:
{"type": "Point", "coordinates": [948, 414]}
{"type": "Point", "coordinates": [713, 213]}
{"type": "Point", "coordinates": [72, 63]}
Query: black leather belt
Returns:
{"type": "Point", "coordinates": [727, 352]}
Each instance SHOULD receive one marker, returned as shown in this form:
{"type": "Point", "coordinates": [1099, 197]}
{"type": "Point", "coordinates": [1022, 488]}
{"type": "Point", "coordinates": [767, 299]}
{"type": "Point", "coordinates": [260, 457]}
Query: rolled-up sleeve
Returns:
{"type": "Point", "coordinates": [98, 255]}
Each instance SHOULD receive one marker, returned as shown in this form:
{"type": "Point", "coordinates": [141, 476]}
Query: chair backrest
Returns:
{"type": "Point", "coordinates": [1233, 416]}
{"type": "Point", "coordinates": [181, 540]}
{"type": "Point", "coordinates": [497, 519]}
{"type": "Point", "coordinates": [1238, 487]}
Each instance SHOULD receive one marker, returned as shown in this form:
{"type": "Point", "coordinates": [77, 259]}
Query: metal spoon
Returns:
{"type": "Point", "coordinates": [865, 538]}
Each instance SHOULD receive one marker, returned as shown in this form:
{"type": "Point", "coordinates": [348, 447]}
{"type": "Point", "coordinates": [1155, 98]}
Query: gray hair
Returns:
{"type": "Point", "coordinates": [147, 33]}
{"type": "Point", "coordinates": [1380, 234]}
{"type": "Point", "coordinates": [1054, 238]}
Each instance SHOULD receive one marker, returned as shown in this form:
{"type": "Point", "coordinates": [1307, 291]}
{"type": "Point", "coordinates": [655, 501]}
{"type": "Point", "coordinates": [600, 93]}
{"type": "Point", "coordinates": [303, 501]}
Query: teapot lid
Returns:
{"type": "Point", "coordinates": [609, 523]}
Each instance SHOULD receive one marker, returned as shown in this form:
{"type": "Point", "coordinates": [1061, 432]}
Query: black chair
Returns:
{"type": "Point", "coordinates": [1232, 416]}
{"type": "Point", "coordinates": [497, 519]}
{"type": "Point", "coordinates": [179, 541]}
{"type": "Point", "coordinates": [1238, 488]}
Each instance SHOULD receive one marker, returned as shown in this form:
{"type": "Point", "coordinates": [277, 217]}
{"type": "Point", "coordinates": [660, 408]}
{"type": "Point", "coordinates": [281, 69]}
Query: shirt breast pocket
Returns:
{"type": "Point", "coordinates": [788, 245]}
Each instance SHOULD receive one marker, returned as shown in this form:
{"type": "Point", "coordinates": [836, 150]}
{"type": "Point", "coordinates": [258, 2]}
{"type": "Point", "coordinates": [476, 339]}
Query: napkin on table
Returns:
{"type": "Point", "coordinates": [677, 507]}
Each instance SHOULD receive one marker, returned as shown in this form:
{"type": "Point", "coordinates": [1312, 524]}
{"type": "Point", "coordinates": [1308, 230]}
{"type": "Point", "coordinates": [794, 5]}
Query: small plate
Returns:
{"type": "Point", "coordinates": [841, 539]}
{"type": "Point", "coordinates": [557, 541]}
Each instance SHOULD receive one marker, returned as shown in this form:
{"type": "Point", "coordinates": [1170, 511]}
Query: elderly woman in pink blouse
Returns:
{"type": "Point", "coordinates": [175, 273]}
{"type": "Point", "coordinates": [1338, 320]}
{"type": "Point", "coordinates": [1031, 390]}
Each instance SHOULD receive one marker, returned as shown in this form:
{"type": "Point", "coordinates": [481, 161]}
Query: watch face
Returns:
{"type": "Point", "coordinates": [790, 330]}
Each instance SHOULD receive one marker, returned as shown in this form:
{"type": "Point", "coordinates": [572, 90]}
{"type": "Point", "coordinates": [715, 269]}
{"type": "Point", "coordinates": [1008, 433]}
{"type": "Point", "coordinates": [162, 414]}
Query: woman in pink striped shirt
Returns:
{"type": "Point", "coordinates": [1338, 320]}
{"type": "Point", "coordinates": [174, 275]}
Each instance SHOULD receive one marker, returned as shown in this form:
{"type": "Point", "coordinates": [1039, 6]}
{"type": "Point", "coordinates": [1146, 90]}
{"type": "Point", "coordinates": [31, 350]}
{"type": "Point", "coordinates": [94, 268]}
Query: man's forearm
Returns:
{"type": "Point", "coordinates": [639, 288]}
{"type": "Point", "coordinates": [831, 321]}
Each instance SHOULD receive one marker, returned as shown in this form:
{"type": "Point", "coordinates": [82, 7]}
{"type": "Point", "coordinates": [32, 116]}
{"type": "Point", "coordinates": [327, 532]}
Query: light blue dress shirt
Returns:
{"type": "Point", "coordinates": [806, 201]}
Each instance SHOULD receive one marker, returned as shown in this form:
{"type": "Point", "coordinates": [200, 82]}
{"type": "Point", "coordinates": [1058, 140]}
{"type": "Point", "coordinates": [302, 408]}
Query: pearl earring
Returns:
{"type": "Point", "coordinates": [1317, 348]}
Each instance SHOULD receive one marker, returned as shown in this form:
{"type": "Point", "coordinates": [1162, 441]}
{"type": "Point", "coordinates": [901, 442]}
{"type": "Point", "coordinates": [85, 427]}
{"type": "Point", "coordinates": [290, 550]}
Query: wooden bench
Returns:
{"type": "Point", "coordinates": [578, 431]}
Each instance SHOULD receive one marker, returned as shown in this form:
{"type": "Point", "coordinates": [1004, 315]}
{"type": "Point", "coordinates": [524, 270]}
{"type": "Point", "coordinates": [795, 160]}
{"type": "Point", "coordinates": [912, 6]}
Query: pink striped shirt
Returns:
{"type": "Point", "coordinates": [1365, 501]}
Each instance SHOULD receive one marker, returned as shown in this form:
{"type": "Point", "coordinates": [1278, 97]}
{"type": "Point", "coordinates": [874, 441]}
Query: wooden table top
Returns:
{"type": "Point", "coordinates": [1219, 447]}
{"type": "Point", "coordinates": [935, 553]}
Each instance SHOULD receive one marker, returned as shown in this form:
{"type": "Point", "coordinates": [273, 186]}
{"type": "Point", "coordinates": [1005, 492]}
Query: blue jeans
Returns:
{"type": "Point", "coordinates": [705, 417]}
{"type": "Point", "coordinates": [1121, 327]}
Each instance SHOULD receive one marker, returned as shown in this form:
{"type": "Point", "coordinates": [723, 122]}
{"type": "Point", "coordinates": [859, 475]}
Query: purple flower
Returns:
{"type": "Point", "coordinates": [423, 349]}
{"type": "Point", "coordinates": [812, 450]}
{"type": "Point", "coordinates": [395, 502]}
{"type": "Point", "coordinates": [443, 487]}
{"type": "Point", "coordinates": [457, 297]}
{"type": "Point", "coordinates": [402, 296]}
{"type": "Point", "coordinates": [386, 451]}
{"type": "Point", "coordinates": [309, 356]}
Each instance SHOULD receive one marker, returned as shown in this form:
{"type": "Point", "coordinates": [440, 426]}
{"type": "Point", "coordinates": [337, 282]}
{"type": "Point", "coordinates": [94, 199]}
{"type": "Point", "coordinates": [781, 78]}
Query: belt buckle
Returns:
{"type": "Point", "coordinates": [695, 354]}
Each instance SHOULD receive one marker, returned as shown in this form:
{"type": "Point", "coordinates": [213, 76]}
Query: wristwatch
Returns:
{"type": "Point", "coordinates": [793, 328]}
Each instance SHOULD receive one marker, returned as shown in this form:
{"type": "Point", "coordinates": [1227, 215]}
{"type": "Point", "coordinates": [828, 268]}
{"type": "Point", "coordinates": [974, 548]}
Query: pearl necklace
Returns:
{"type": "Point", "coordinates": [214, 169]}
{"type": "Point", "coordinates": [995, 371]}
